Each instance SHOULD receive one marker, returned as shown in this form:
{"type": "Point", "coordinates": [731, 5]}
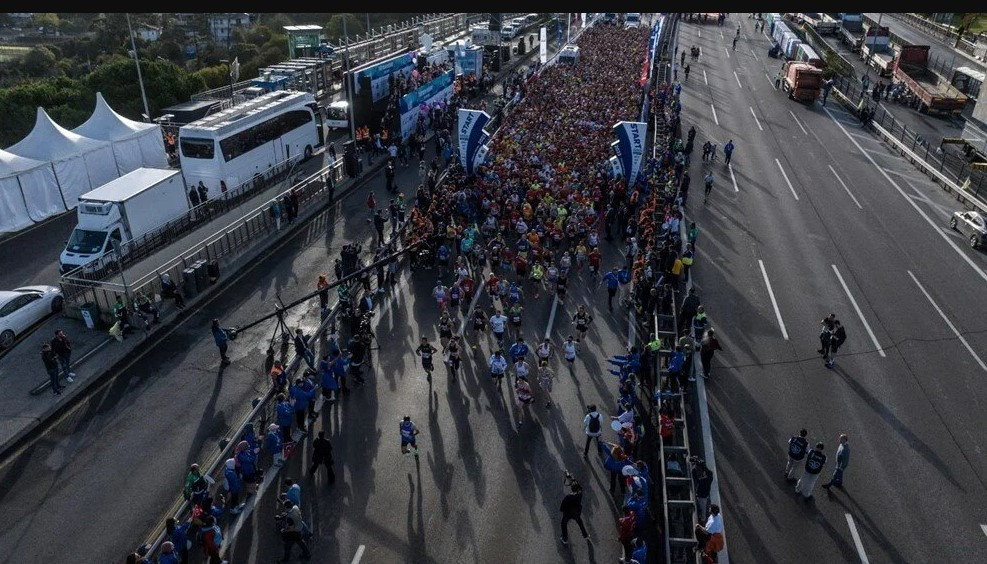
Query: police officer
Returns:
{"type": "Point", "coordinates": [797, 445]}
{"type": "Point", "coordinates": [814, 462]}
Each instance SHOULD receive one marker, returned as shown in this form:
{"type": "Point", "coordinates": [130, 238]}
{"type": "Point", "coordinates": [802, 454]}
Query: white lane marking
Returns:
{"type": "Point", "coordinates": [551, 317]}
{"type": "Point", "coordinates": [797, 122]}
{"type": "Point", "coordinates": [774, 302]}
{"type": "Point", "coordinates": [738, 79]}
{"type": "Point", "coordinates": [935, 227]}
{"type": "Point", "coordinates": [699, 32]}
{"type": "Point", "coordinates": [771, 82]}
{"type": "Point", "coordinates": [983, 528]}
{"type": "Point", "coordinates": [732, 177]}
{"type": "Point", "coordinates": [856, 540]}
{"type": "Point", "coordinates": [725, 50]}
{"type": "Point", "coordinates": [787, 181]}
{"type": "Point", "coordinates": [359, 554]}
{"type": "Point", "coordinates": [845, 186]}
{"type": "Point", "coordinates": [860, 314]}
{"type": "Point", "coordinates": [714, 114]}
{"type": "Point", "coordinates": [706, 80]}
{"type": "Point", "coordinates": [755, 55]}
{"type": "Point", "coordinates": [722, 37]}
{"type": "Point", "coordinates": [950, 323]}
{"type": "Point", "coordinates": [755, 118]}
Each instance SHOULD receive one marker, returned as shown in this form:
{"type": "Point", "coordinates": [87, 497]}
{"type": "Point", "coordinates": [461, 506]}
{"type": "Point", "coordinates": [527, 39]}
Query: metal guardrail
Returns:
{"type": "Point", "coordinates": [224, 243]}
{"type": "Point", "coordinates": [951, 167]}
{"type": "Point", "coordinates": [146, 245]}
{"type": "Point", "coordinates": [939, 31]}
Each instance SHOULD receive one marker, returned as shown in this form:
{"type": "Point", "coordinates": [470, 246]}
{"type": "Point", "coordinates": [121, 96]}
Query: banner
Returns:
{"type": "Point", "coordinates": [470, 61]}
{"type": "Point", "coordinates": [583, 18]}
{"type": "Point", "coordinates": [543, 48]}
{"type": "Point", "coordinates": [439, 90]}
{"type": "Point", "coordinates": [380, 74]}
{"type": "Point", "coordinates": [472, 137]}
{"type": "Point", "coordinates": [629, 147]}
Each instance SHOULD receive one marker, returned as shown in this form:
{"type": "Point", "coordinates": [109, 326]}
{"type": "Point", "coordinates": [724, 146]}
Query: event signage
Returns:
{"type": "Point", "coordinates": [543, 49]}
{"type": "Point", "coordinates": [439, 90]}
{"type": "Point", "coordinates": [629, 147]}
{"type": "Point", "coordinates": [472, 137]}
{"type": "Point", "coordinates": [380, 75]}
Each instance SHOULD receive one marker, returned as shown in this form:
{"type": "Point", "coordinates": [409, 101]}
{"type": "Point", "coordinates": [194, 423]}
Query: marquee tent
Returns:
{"type": "Point", "coordinates": [135, 144]}
{"type": "Point", "coordinates": [80, 163]}
{"type": "Point", "coordinates": [28, 192]}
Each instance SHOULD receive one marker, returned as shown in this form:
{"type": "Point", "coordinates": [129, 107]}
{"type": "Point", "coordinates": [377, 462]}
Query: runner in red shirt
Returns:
{"type": "Point", "coordinates": [594, 261]}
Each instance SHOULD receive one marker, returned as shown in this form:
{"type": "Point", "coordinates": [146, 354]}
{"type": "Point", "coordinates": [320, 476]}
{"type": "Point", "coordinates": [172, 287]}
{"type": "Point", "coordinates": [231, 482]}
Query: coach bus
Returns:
{"type": "Point", "coordinates": [230, 147]}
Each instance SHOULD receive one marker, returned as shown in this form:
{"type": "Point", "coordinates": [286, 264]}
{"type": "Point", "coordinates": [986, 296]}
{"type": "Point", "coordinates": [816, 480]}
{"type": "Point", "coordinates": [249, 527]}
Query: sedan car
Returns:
{"type": "Point", "coordinates": [20, 309]}
{"type": "Point", "coordinates": [972, 225]}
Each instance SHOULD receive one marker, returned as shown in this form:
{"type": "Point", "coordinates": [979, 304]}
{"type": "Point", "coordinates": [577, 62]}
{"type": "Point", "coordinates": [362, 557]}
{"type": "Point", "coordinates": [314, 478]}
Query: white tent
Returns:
{"type": "Point", "coordinates": [135, 144]}
{"type": "Point", "coordinates": [80, 163]}
{"type": "Point", "coordinates": [28, 192]}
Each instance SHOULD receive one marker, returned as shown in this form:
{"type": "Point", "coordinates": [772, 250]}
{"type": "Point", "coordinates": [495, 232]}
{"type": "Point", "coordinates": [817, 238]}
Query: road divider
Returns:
{"type": "Point", "coordinates": [774, 302]}
{"type": "Point", "coordinates": [787, 181]}
{"type": "Point", "coordinates": [949, 323]}
{"type": "Point", "coordinates": [860, 313]}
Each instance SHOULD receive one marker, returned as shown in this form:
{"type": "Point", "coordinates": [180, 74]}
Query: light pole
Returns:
{"type": "Point", "coordinates": [232, 91]}
{"type": "Point", "coordinates": [870, 53]}
{"type": "Point", "coordinates": [140, 78]}
{"type": "Point", "coordinates": [349, 82]}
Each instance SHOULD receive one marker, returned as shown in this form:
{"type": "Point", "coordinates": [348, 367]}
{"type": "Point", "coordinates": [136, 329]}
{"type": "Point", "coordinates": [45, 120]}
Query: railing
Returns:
{"type": "Point", "coordinates": [954, 167]}
{"type": "Point", "coordinates": [943, 32]}
{"type": "Point", "coordinates": [221, 245]}
{"type": "Point", "coordinates": [146, 245]}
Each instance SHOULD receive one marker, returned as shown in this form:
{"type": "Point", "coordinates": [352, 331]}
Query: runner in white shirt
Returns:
{"type": "Point", "coordinates": [522, 369]}
{"type": "Point", "coordinates": [544, 350]}
{"type": "Point", "coordinates": [498, 366]}
{"type": "Point", "coordinates": [569, 348]}
{"type": "Point", "coordinates": [441, 295]}
{"type": "Point", "coordinates": [498, 323]}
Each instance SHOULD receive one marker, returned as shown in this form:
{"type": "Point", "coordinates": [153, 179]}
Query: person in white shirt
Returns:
{"type": "Point", "coordinates": [544, 350]}
{"type": "Point", "coordinates": [498, 366]}
{"type": "Point", "coordinates": [709, 538]}
{"type": "Point", "coordinates": [569, 348]}
{"type": "Point", "coordinates": [497, 324]}
{"type": "Point", "coordinates": [592, 426]}
{"type": "Point", "coordinates": [522, 369]}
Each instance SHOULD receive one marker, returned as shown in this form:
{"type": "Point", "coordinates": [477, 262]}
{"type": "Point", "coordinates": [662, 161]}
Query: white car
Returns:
{"type": "Point", "coordinates": [20, 309]}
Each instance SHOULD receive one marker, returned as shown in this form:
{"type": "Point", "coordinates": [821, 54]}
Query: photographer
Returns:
{"type": "Point", "coordinates": [572, 507]}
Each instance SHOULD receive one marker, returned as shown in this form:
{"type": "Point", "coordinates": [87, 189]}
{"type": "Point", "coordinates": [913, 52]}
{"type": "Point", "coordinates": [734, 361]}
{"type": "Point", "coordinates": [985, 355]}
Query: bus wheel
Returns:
{"type": "Point", "coordinates": [308, 152]}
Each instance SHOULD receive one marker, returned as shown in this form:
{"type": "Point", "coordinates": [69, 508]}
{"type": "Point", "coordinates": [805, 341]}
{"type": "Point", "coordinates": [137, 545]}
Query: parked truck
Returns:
{"type": "Point", "coordinates": [122, 210]}
{"type": "Point", "coordinates": [852, 31]}
{"type": "Point", "coordinates": [935, 94]}
{"type": "Point", "coordinates": [880, 56]}
{"type": "Point", "coordinates": [823, 24]}
{"type": "Point", "coordinates": [802, 81]}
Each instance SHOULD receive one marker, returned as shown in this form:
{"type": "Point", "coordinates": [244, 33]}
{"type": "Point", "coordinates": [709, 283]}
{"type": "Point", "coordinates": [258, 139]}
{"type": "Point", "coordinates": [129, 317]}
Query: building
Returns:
{"type": "Point", "coordinates": [221, 26]}
{"type": "Point", "coordinates": [148, 32]}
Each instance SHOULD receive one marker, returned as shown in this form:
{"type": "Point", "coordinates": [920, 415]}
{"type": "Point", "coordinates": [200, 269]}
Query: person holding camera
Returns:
{"type": "Point", "coordinates": [572, 508]}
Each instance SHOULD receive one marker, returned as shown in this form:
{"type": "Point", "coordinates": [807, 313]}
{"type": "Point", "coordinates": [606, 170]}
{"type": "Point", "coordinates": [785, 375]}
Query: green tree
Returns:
{"type": "Point", "coordinates": [47, 20]}
{"type": "Point", "coordinates": [39, 62]}
{"type": "Point", "coordinates": [67, 101]}
{"type": "Point", "coordinates": [354, 25]}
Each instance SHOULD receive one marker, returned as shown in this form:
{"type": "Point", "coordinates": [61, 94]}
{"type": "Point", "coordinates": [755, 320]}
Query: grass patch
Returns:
{"type": "Point", "coordinates": [12, 52]}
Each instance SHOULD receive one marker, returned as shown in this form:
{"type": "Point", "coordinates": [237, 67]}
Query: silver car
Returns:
{"type": "Point", "coordinates": [20, 309]}
{"type": "Point", "coordinates": [972, 225]}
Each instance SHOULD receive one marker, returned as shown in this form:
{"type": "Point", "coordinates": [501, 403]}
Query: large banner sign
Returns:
{"type": "Point", "coordinates": [380, 75]}
{"type": "Point", "coordinates": [421, 99]}
{"type": "Point", "coordinates": [472, 137]}
{"type": "Point", "coordinates": [470, 61]}
{"type": "Point", "coordinates": [543, 48]}
{"type": "Point", "coordinates": [629, 148]}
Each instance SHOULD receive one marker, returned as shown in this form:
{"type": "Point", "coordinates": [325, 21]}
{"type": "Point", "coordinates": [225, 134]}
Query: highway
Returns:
{"type": "Point", "coordinates": [938, 48]}
{"type": "Point", "coordinates": [822, 219]}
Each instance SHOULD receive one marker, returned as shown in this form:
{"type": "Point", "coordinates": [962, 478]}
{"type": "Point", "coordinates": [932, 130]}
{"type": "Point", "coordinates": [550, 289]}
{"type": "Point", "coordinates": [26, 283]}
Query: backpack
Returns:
{"type": "Point", "coordinates": [594, 424]}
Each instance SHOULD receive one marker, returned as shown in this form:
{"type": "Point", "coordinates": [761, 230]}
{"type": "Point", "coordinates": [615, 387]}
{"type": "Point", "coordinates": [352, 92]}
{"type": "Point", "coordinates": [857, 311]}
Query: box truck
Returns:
{"type": "Point", "coordinates": [121, 211]}
{"type": "Point", "coordinates": [802, 81]}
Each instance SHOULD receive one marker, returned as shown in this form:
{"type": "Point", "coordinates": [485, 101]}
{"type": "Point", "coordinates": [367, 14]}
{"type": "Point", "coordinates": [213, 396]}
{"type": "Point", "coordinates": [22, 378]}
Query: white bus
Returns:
{"type": "Point", "coordinates": [244, 141]}
{"type": "Point", "coordinates": [338, 115]}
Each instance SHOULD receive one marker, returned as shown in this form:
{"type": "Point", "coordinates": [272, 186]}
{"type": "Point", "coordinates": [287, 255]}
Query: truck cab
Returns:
{"type": "Point", "coordinates": [632, 19]}
{"type": "Point", "coordinates": [100, 224]}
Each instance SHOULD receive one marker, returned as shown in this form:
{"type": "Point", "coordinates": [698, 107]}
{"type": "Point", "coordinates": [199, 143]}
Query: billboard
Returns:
{"type": "Point", "coordinates": [380, 74]}
{"type": "Point", "coordinates": [629, 147]}
{"type": "Point", "coordinates": [472, 137]}
{"type": "Point", "coordinates": [412, 103]}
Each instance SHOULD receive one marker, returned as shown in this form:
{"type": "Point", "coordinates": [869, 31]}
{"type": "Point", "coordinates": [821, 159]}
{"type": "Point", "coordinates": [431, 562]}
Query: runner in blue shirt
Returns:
{"type": "Point", "coordinates": [612, 280]}
{"type": "Point", "coordinates": [408, 433]}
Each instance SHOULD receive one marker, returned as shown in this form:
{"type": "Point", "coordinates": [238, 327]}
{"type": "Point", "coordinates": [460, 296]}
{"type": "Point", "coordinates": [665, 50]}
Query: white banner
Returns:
{"type": "Point", "coordinates": [583, 18]}
{"type": "Point", "coordinates": [543, 49]}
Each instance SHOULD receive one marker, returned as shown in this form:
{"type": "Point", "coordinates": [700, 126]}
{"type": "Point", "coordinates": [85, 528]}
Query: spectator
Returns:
{"type": "Point", "coordinates": [63, 352]}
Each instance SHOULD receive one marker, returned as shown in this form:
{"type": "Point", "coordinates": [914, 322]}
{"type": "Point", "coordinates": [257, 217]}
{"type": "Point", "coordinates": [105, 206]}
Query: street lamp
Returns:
{"type": "Point", "coordinates": [140, 78]}
{"type": "Point", "coordinates": [230, 66]}
{"type": "Point", "coordinates": [349, 82]}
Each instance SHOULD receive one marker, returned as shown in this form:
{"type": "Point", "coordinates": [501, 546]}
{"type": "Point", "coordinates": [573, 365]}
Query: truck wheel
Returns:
{"type": "Point", "coordinates": [952, 223]}
{"type": "Point", "coordinates": [6, 339]}
{"type": "Point", "coordinates": [974, 241]}
{"type": "Point", "coordinates": [308, 152]}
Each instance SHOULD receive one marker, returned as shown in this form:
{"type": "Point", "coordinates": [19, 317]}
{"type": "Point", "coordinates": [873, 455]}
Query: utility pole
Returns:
{"type": "Point", "coordinates": [140, 79]}
{"type": "Point", "coordinates": [350, 83]}
{"type": "Point", "coordinates": [870, 53]}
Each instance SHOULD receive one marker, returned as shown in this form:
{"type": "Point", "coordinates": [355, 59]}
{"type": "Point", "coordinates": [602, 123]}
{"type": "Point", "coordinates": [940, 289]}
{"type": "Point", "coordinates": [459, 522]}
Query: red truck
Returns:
{"type": "Point", "coordinates": [936, 95]}
{"type": "Point", "coordinates": [802, 81]}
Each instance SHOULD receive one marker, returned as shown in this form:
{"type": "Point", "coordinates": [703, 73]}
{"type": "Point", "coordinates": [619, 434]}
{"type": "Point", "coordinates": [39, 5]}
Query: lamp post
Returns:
{"type": "Point", "coordinates": [140, 78]}
{"type": "Point", "coordinates": [229, 64]}
{"type": "Point", "coordinates": [870, 53]}
{"type": "Point", "coordinates": [348, 86]}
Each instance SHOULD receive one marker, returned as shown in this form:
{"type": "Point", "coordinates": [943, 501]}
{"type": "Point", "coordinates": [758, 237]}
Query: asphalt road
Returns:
{"type": "Point", "coordinates": [845, 226]}
{"type": "Point", "coordinates": [123, 452]}
{"type": "Point", "coordinates": [938, 48]}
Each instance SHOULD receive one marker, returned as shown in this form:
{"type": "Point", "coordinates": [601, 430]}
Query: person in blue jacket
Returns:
{"type": "Point", "coordinates": [273, 443]}
{"type": "Point", "coordinates": [640, 554]}
{"type": "Point", "coordinates": [299, 397]}
{"type": "Point", "coordinates": [178, 536]}
{"type": "Point", "coordinates": [614, 460]}
{"type": "Point", "coordinates": [222, 341]}
{"type": "Point", "coordinates": [518, 350]}
{"type": "Point", "coordinates": [246, 459]}
{"type": "Point", "coordinates": [612, 280]}
{"type": "Point", "coordinates": [329, 383]}
{"type": "Point", "coordinates": [624, 277]}
{"type": "Point", "coordinates": [284, 414]}
{"type": "Point", "coordinates": [233, 484]}
{"type": "Point", "coordinates": [250, 435]}
{"type": "Point", "coordinates": [308, 382]}
{"type": "Point", "coordinates": [340, 364]}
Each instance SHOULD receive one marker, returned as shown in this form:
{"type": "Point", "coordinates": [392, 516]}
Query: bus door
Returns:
{"type": "Point", "coordinates": [319, 126]}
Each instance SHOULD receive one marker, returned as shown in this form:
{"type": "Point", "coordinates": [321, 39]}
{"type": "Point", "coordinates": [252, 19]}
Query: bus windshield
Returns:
{"type": "Point", "coordinates": [196, 148]}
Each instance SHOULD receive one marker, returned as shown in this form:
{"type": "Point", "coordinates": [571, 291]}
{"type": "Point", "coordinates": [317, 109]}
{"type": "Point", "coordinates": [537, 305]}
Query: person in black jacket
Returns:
{"type": "Point", "coordinates": [702, 479]}
{"type": "Point", "coordinates": [837, 340]}
{"type": "Point", "coordinates": [572, 509]}
{"type": "Point", "coordinates": [322, 454]}
{"type": "Point", "coordinates": [51, 366]}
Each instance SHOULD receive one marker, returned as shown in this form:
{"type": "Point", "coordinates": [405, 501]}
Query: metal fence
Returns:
{"type": "Point", "coordinates": [222, 245]}
{"type": "Point", "coordinates": [937, 30]}
{"type": "Point", "coordinates": [952, 165]}
{"type": "Point", "coordinates": [146, 245]}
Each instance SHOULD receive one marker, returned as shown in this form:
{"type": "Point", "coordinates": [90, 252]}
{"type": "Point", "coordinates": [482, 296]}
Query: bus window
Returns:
{"type": "Point", "coordinates": [274, 128]}
{"type": "Point", "coordinates": [195, 148]}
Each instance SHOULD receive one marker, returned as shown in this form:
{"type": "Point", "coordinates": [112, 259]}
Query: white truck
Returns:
{"type": "Point", "coordinates": [632, 19]}
{"type": "Point", "coordinates": [123, 210]}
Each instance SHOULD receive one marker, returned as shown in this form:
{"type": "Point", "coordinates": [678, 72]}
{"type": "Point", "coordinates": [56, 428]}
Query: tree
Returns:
{"type": "Point", "coordinates": [47, 20]}
{"type": "Point", "coordinates": [39, 62]}
{"type": "Point", "coordinates": [966, 21]}
{"type": "Point", "coordinates": [354, 25]}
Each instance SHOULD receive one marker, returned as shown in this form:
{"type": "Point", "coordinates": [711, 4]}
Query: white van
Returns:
{"type": "Point", "coordinates": [508, 32]}
{"type": "Point", "coordinates": [338, 115]}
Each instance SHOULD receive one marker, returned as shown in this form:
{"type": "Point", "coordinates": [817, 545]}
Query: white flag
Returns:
{"type": "Point", "coordinates": [235, 69]}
